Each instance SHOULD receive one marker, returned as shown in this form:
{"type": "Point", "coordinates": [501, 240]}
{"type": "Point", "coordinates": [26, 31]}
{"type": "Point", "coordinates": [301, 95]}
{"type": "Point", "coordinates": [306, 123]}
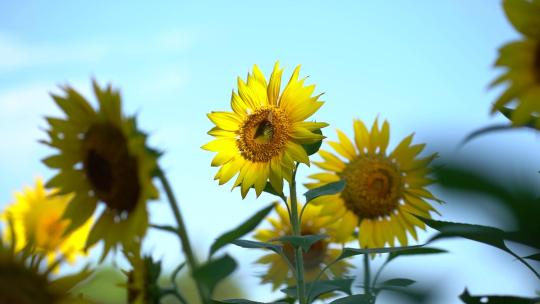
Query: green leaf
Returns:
{"type": "Point", "coordinates": [303, 241]}
{"type": "Point", "coordinates": [166, 228]}
{"type": "Point", "coordinates": [328, 189]}
{"type": "Point", "coordinates": [486, 130]}
{"type": "Point", "coordinates": [399, 282]}
{"type": "Point", "coordinates": [211, 273]}
{"type": "Point", "coordinates": [416, 251]}
{"type": "Point", "coordinates": [321, 287]}
{"type": "Point", "coordinates": [349, 252]}
{"type": "Point", "coordinates": [467, 298]}
{"type": "Point", "coordinates": [517, 196]}
{"type": "Point", "coordinates": [241, 230]}
{"type": "Point", "coordinates": [258, 245]}
{"type": "Point", "coordinates": [355, 299]}
{"type": "Point", "coordinates": [483, 234]}
{"type": "Point", "coordinates": [288, 300]}
{"type": "Point", "coordinates": [244, 301]}
{"type": "Point", "coordinates": [314, 147]}
{"type": "Point", "coordinates": [535, 257]}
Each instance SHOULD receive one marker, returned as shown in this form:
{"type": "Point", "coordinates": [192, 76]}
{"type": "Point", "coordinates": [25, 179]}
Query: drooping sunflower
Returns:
{"type": "Point", "coordinates": [23, 282]}
{"type": "Point", "coordinates": [319, 255]}
{"type": "Point", "coordinates": [383, 192]}
{"type": "Point", "coordinates": [262, 138]}
{"type": "Point", "coordinates": [37, 218]}
{"type": "Point", "coordinates": [102, 158]}
{"type": "Point", "coordinates": [521, 61]}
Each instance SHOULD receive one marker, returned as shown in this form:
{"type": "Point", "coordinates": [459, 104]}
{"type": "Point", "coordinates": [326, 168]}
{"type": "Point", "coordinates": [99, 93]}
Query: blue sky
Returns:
{"type": "Point", "coordinates": [423, 65]}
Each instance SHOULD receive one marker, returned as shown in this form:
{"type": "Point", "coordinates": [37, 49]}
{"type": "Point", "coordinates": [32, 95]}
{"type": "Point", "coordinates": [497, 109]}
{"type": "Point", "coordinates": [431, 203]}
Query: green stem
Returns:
{"type": "Point", "coordinates": [298, 255]}
{"type": "Point", "coordinates": [181, 231]}
{"type": "Point", "coordinates": [367, 275]}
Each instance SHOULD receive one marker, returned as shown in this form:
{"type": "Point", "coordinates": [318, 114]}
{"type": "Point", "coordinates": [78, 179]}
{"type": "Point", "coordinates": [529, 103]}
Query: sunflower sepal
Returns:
{"type": "Point", "coordinates": [312, 148]}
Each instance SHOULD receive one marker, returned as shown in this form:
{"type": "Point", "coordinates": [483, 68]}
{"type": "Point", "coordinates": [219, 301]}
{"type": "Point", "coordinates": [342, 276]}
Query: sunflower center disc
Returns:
{"type": "Point", "coordinates": [263, 134]}
{"type": "Point", "coordinates": [112, 172]}
{"type": "Point", "coordinates": [373, 186]}
{"type": "Point", "coordinates": [21, 285]}
{"type": "Point", "coordinates": [536, 64]}
{"type": "Point", "coordinates": [313, 258]}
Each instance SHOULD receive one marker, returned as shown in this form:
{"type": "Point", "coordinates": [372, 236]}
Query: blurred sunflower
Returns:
{"type": "Point", "coordinates": [22, 281]}
{"type": "Point", "coordinates": [319, 255]}
{"type": "Point", "coordinates": [142, 286]}
{"type": "Point", "coordinates": [262, 138]}
{"type": "Point", "coordinates": [37, 218]}
{"type": "Point", "coordinates": [102, 158]}
{"type": "Point", "coordinates": [383, 193]}
{"type": "Point", "coordinates": [521, 60]}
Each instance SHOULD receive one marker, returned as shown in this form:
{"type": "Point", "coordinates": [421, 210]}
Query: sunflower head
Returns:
{"type": "Point", "coordinates": [521, 62]}
{"type": "Point", "coordinates": [142, 286]}
{"type": "Point", "coordinates": [23, 281]}
{"type": "Point", "coordinates": [262, 138]}
{"type": "Point", "coordinates": [37, 218]}
{"type": "Point", "coordinates": [321, 253]}
{"type": "Point", "coordinates": [102, 158]}
{"type": "Point", "coordinates": [383, 192]}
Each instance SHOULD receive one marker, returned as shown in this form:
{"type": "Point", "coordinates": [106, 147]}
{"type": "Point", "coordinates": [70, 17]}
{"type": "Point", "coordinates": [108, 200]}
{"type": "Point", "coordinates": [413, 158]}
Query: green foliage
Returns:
{"type": "Point", "coordinates": [535, 257]}
{"type": "Point", "coordinates": [355, 299]}
{"type": "Point", "coordinates": [241, 230]}
{"type": "Point", "coordinates": [244, 301]}
{"type": "Point", "coordinates": [350, 252]}
{"type": "Point", "coordinates": [468, 299]}
{"type": "Point", "coordinates": [516, 195]}
{"type": "Point", "coordinates": [328, 189]}
{"type": "Point", "coordinates": [316, 289]}
{"type": "Point", "coordinates": [303, 241]}
{"type": "Point", "coordinates": [483, 234]}
{"type": "Point", "coordinates": [415, 251]}
{"type": "Point", "coordinates": [314, 147]}
{"type": "Point", "coordinates": [399, 282]}
{"type": "Point", "coordinates": [214, 271]}
{"type": "Point", "coordinates": [258, 245]}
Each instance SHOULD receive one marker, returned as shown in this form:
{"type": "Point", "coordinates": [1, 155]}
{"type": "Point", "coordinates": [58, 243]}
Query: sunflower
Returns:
{"type": "Point", "coordinates": [22, 281]}
{"type": "Point", "coordinates": [142, 286]}
{"type": "Point", "coordinates": [37, 218]}
{"type": "Point", "coordinates": [521, 61]}
{"type": "Point", "coordinates": [383, 193]}
{"type": "Point", "coordinates": [102, 158]}
{"type": "Point", "coordinates": [262, 138]}
{"type": "Point", "coordinates": [318, 256]}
